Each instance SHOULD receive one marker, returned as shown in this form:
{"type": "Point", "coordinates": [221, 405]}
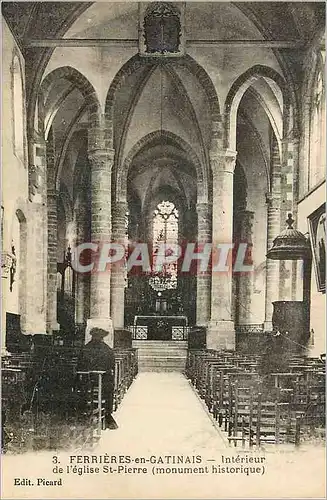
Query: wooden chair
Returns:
{"type": "Point", "coordinates": [90, 403]}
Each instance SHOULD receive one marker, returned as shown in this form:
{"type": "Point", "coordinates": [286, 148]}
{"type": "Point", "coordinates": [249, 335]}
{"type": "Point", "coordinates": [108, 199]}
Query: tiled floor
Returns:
{"type": "Point", "coordinates": [161, 421]}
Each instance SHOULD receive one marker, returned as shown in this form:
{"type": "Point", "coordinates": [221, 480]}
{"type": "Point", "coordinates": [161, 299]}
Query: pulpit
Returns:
{"type": "Point", "coordinates": [289, 320]}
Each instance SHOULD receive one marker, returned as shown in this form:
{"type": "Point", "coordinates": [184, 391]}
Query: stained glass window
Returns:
{"type": "Point", "coordinates": [165, 233]}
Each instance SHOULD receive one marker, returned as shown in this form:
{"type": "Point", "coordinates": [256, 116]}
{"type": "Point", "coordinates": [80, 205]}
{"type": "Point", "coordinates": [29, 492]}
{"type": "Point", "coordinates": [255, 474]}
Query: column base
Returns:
{"type": "Point", "coordinates": [35, 326]}
{"type": "Point", "coordinates": [267, 326]}
{"type": "Point", "coordinates": [105, 324]}
{"type": "Point", "coordinates": [221, 335]}
{"type": "Point", "coordinates": [4, 352]}
{"type": "Point", "coordinates": [55, 327]}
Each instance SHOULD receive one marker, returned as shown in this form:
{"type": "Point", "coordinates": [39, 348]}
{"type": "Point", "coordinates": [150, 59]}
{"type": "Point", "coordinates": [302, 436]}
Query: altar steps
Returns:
{"type": "Point", "coordinates": [161, 356]}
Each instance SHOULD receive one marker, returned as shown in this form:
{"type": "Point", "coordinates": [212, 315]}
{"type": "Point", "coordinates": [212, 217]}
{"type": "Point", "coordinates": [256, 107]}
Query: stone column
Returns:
{"type": "Point", "coordinates": [52, 324]}
{"type": "Point", "coordinates": [272, 268]}
{"type": "Point", "coordinates": [273, 200]}
{"type": "Point", "coordinates": [203, 280]}
{"type": "Point", "coordinates": [221, 330]}
{"type": "Point", "coordinates": [187, 282]}
{"type": "Point", "coordinates": [82, 292]}
{"type": "Point", "coordinates": [36, 276]}
{"type": "Point", "coordinates": [288, 187]}
{"type": "Point", "coordinates": [244, 285]}
{"type": "Point", "coordinates": [118, 270]}
{"type": "Point", "coordinates": [37, 241]}
{"type": "Point", "coordinates": [295, 186]}
{"type": "Point", "coordinates": [52, 198]}
{"type": "Point", "coordinates": [101, 161]}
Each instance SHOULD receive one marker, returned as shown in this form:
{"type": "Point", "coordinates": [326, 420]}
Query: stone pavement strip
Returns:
{"type": "Point", "coordinates": [161, 414]}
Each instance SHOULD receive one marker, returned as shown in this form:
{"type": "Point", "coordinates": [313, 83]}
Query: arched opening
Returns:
{"type": "Point", "coordinates": [68, 107]}
{"type": "Point", "coordinates": [66, 276]}
{"type": "Point", "coordinates": [259, 123]}
{"type": "Point", "coordinates": [161, 194]}
{"type": "Point", "coordinates": [168, 154]}
{"type": "Point", "coordinates": [271, 90]}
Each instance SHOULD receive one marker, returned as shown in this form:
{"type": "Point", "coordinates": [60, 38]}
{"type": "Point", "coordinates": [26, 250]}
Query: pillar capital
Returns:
{"type": "Point", "coordinates": [222, 161]}
{"type": "Point", "coordinates": [101, 158]}
{"type": "Point", "coordinates": [246, 217]}
{"type": "Point", "coordinates": [290, 137]}
{"type": "Point", "coordinates": [223, 153]}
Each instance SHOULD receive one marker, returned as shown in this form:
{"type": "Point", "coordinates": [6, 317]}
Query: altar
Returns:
{"type": "Point", "coordinates": [153, 327]}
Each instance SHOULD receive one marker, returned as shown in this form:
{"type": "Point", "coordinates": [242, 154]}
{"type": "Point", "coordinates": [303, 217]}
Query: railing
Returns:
{"type": "Point", "coordinates": [177, 332]}
{"type": "Point", "coordinates": [160, 328]}
{"type": "Point", "coordinates": [250, 328]}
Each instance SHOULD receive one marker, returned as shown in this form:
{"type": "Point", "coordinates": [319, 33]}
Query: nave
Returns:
{"type": "Point", "coordinates": [208, 137]}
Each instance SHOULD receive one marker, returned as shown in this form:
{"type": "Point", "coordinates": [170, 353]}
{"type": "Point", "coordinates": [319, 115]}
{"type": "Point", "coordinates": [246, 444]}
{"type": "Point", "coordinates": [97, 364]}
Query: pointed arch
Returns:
{"type": "Point", "coordinates": [178, 197]}
{"type": "Point", "coordinates": [121, 180]}
{"type": "Point", "coordinates": [236, 92]}
{"type": "Point", "coordinates": [91, 104]}
{"type": "Point", "coordinates": [207, 84]}
{"type": "Point", "coordinates": [135, 62]}
{"type": "Point", "coordinates": [132, 65]}
{"type": "Point", "coordinates": [79, 82]}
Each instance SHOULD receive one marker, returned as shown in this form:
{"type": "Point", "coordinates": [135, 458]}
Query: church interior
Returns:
{"type": "Point", "coordinates": [161, 124]}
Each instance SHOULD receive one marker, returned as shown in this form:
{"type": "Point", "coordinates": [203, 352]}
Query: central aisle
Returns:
{"type": "Point", "coordinates": [162, 413]}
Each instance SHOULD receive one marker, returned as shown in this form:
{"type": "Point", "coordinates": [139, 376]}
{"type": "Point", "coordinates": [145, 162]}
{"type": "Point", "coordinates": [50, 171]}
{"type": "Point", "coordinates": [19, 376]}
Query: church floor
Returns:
{"type": "Point", "coordinates": [166, 412]}
{"type": "Point", "coordinates": [161, 418]}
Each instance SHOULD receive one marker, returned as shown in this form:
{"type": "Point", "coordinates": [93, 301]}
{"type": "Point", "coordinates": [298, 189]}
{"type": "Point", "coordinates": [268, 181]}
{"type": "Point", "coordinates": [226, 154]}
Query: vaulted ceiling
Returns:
{"type": "Point", "coordinates": [48, 20]}
{"type": "Point", "coordinates": [37, 20]}
{"type": "Point", "coordinates": [167, 94]}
